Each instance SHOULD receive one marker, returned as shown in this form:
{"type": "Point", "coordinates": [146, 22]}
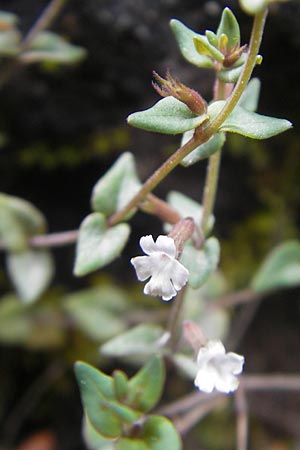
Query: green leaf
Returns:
{"type": "Point", "coordinates": [187, 207]}
{"type": "Point", "coordinates": [19, 220]}
{"type": "Point", "coordinates": [93, 439]}
{"type": "Point", "coordinates": [144, 339]}
{"type": "Point", "coordinates": [185, 39]}
{"type": "Point", "coordinates": [31, 272]}
{"type": "Point", "coordinates": [168, 115]}
{"type": "Point", "coordinates": [230, 27]}
{"type": "Point", "coordinates": [160, 434]}
{"type": "Point", "coordinates": [97, 392]}
{"type": "Point", "coordinates": [201, 263]}
{"type": "Point", "coordinates": [117, 186]}
{"type": "Point", "coordinates": [98, 245]}
{"type": "Point", "coordinates": [131, 444]}
{"type": "Point", "coordinates": [98, 312]}
{"type": "Point", "coordinates": [145, 388]}
{"type": "Point", "coordinates": [205, 48]}
{"type": "Point", "coordinates": [247, 123]}
{"type": "Point", "coordinates": [205, 150]}
{"type": "Point", "coordinates": [281, 269]}
{"type": "Point", "coordinates": [50, 47]}
{"type": "Point", "coordinates": [230, 75]}
{"type": "Point", "coordinates": [250, 96]}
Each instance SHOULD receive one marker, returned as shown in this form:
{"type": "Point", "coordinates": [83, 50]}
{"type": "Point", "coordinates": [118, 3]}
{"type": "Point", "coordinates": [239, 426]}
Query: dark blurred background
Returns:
{"type": "Point", "coordinates": [62, 127]}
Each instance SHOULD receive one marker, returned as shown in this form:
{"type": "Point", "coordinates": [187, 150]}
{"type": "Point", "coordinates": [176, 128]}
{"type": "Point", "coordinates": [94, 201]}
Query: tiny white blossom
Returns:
{"type": "Point", "coordinates": [217, 369]}
{"type": "Point", "coordinates": [167, 275]}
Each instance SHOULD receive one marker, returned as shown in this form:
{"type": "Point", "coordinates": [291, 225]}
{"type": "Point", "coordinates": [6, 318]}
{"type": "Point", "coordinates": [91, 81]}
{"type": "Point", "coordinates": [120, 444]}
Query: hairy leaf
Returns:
{"type": "Point", "coordinates": [98, 245]}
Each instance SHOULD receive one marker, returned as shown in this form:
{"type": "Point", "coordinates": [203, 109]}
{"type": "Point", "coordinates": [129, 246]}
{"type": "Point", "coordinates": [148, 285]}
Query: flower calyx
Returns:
{"type": "Point", "coordinates": [170, 86]}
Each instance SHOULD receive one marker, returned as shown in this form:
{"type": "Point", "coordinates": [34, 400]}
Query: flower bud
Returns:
{"type": "Point", "coordinates": [173, 87]}
{"type": "Point", "coordinates": [182, 232]}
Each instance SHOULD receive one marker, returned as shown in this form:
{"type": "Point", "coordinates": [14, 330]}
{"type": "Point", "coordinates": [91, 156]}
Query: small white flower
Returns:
{"type": "Point", "coordinates": [217, 369]}
{"type": "Point", "coordinates": [167, 274]}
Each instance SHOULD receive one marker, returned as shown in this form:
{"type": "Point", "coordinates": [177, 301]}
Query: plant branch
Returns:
{"type": "Point", "coordinates": [203, 133]}
{"type": "Point", "coordinates": [44, 21]}
{"type": "Point", "coordinates": [258, 382]}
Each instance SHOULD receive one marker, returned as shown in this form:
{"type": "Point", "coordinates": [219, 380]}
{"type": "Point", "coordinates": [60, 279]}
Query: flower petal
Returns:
{"type": "Point", "coordinates": [167, 245]}
{"type": "Point", "coordinates": [179, 275]}
{"type": "Point", "coordinates": [227, 383]}
{"type": "Point", "coordinates": [205, 381]}
{"type": "Point", "coordinates": [160, 287]}
{"type": "Point", "coordinates": [234, 363]}
{"type": "Point", "coordinates": [142, 267]}
{"type": "Point", "coordinates": [147, 244]}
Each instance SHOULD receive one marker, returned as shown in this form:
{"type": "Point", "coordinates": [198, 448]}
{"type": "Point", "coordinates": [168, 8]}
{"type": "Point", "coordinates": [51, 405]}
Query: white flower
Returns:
{"type": "Point", "coordinates": [167, 274]}
{"type": "Point", "coordinates": [217, 369]}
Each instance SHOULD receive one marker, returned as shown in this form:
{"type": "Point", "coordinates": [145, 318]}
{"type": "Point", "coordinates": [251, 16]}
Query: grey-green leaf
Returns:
{"type": "Point", "coordinates": [205, 150]}
{"type": "Point", "coordinates": [185, 39]}
{"type": "Point", "coordinates": [98, 245]}
{"type": "Point", "coordinates": [201, 263]}
{"type": "Point", "coordinates": [169, 116]}
{"type": "Point", "coordinates": [250, 96]}
{"type": "Point", "coordinates": [117, 186]}
{"type": "Point", "coordinates": [31, 272]}
{"type": "Point", "coordinates": [98, 312]}
{"type": "Point", "coordinates": [229, 26]}
{"type": "Point", "coordinates": [247, 123]}
{"type": "Point", "coordinates": [144, 339]}
{"type": "Point", "coordinates": [19, 219]}
{"type": "Point", "coordinates": [48, 46]}
{"type": "Point", "coordinates": [281, 269]}
{"type": "Point", "coordinates": [187, 207]}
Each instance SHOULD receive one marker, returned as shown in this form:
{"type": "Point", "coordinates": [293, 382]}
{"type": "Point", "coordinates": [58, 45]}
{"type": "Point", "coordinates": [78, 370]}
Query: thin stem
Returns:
{"type": "Point", "coordinates": [202, 134]}
{"type": "Point", "coordinates": [242, 420]}
{"type": "Point", "coordinates": [188, 420]}
{"type": "Point", "coordinates": [210, 188]}
{"type": "Point", "coordinates": [254, 45]}
{"type": "Point", "coordinates": [155, 179]}
{"type": "Point", "coordinates": [174, 318]}
{"type": "Point", "coordinates": [44, 21]}
{"type": "Point", "coordinates": [258, 382]}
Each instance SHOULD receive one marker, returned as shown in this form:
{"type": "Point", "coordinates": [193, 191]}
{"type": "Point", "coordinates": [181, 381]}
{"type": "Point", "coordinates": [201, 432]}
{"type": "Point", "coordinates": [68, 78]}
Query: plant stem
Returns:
{"type": "Point", "coordinates": [210, 189]}
{"type": "Point", "coordinates": [203, 133]}
{"type": "Point", "coordinates": [175, 317]}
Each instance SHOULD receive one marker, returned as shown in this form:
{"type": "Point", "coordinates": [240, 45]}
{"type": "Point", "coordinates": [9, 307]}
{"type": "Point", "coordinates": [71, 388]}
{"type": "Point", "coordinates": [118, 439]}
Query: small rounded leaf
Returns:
{"type": "Point", "coordinates": [248, 123]}
{"type": "Point", "coordinates": [185, 39]}
{"type": "Point", "coordinates": [281, 269]}
{"type": "Point", "coordinates": [143, 339]}
{"type": "Point", "coordinates": [201, 263]}
{"type": "Point", "coordinates": [205, 150]}
{"type": "Point", "coordinates": [31, 272]}
{"type": "Point", "coordinates": [98, 245]}
{"type": "Point", "coordinates": [169, 116]}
